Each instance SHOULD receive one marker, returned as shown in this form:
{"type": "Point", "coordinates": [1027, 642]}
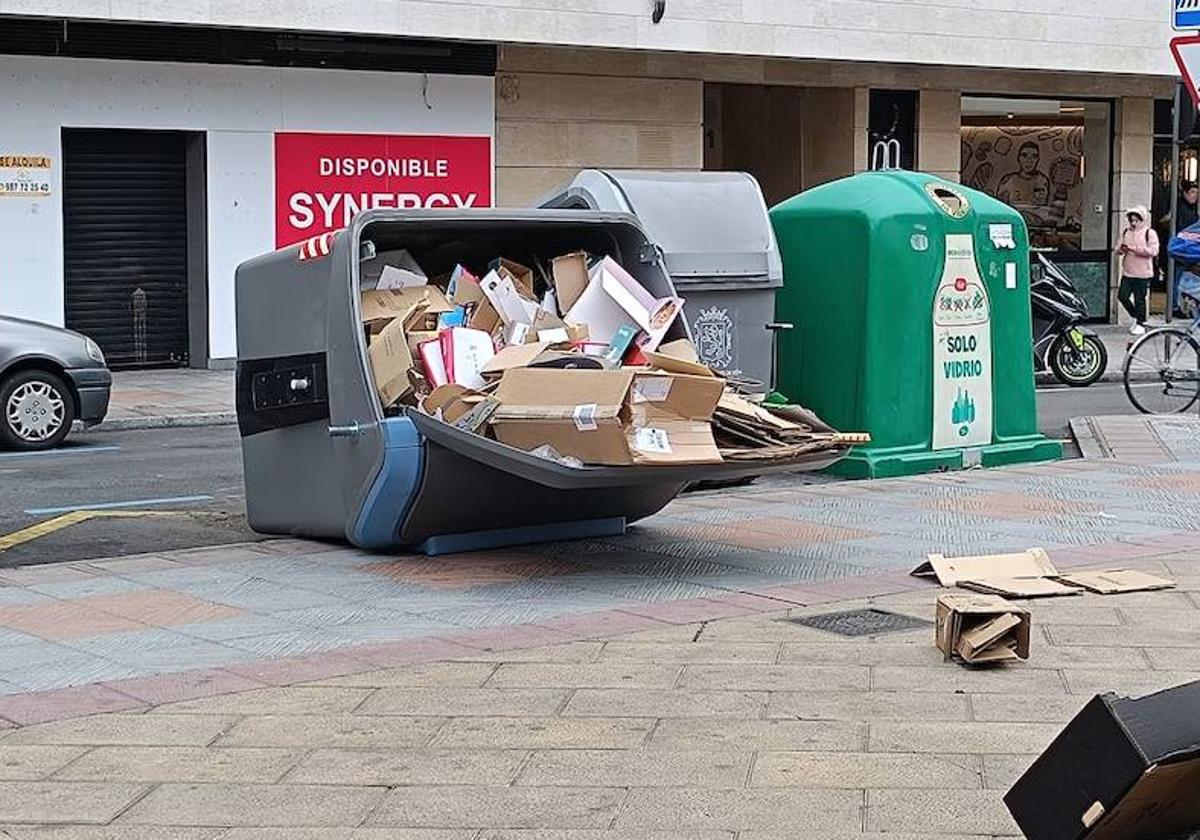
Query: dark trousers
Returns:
{"type": "Point", "coordinates": [1132, 296]}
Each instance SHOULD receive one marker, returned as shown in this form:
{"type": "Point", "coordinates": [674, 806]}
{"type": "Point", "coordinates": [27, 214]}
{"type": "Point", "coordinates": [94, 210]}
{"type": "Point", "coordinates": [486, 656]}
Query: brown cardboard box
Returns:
{"type": "Point", "coordinates": [981, 628]}
{"type": "Point", "coordinates": [379, 307]}
{"type": "Point", "coordinates": [613, 417]}
{"type": "Point", "coordinates": [678, 356]}
{"type": "Point", "coordinates": [570, 273]}
{"type": "Point", "coordinates": [391, 360]}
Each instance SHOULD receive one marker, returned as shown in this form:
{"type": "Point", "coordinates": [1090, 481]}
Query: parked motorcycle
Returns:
{"type": "Point", "coordinates": [1061, 344]}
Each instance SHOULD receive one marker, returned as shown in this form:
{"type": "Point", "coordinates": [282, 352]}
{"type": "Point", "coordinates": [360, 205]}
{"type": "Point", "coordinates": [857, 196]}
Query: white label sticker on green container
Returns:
{"type": "Point", "coordinates": [962, 351]}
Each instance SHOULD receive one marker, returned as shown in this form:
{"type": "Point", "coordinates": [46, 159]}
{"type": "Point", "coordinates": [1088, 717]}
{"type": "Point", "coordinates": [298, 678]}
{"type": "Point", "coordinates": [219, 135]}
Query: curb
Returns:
{"type": "Point", "coordinates": [169, 421]}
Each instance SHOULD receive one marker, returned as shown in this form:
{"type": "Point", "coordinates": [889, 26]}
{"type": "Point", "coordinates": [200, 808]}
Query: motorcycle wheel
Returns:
{"type": "Point", "coordinates": [1078, 367]}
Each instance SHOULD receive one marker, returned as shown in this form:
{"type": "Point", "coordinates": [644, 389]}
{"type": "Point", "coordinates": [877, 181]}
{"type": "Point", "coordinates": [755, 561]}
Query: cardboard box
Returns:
{"type": "Point", "coordinates": [613, 299]}
{"type": "Point", "coordinates": [981, 629]}
{"type": "Point", "coordinates": [570, 273]}
{"type": "Point", "coordinates": [380, 306]}
{"type": "Point", "coordinates": [609, 417]}
{"type": "Point", "coordinates": [1123, 769]}
{"type": "Point", "coordinates": [391, 360]}
{"type": "Point", "coordinates": [464, 354]}
{"type": "Point", "coordinates": [507, 298]}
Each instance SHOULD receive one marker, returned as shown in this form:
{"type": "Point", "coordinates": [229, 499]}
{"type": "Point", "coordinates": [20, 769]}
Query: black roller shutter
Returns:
{"type": "Point", "coordinates": [125, 243]}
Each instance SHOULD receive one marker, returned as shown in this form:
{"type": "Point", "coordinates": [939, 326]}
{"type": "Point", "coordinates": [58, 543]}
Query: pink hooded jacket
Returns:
{"type": "Point", "coordinates": [1139, 247]}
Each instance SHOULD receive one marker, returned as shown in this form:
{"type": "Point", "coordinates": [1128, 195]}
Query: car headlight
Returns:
{"type": "Point", "coordinates": [94, 352]}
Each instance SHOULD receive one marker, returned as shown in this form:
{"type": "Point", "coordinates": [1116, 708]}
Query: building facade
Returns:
{"type": "Point", "coordinates": [155, 147]}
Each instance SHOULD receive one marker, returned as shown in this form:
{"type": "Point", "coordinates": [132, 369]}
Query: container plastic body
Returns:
{"type": "Point", "coordinates": [322, 460]}
{"type": "Point", "coordinates": [910, 299]}
{"type": "Point", "coordinates": [717, 244]}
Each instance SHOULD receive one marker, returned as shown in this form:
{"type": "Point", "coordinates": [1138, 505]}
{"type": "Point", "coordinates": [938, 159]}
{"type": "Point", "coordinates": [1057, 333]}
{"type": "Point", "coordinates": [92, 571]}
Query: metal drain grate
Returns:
{"type": "Point", "coordinates": [862, 622]}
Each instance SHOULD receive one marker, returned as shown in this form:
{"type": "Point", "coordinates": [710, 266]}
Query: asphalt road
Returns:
{"type": "Point", "coordinates": [191, 479]}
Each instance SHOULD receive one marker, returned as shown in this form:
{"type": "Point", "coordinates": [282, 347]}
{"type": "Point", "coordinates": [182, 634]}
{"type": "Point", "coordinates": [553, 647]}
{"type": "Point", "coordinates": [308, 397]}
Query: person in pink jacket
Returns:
{"type": "Point", "coordinates": [1138, 248]}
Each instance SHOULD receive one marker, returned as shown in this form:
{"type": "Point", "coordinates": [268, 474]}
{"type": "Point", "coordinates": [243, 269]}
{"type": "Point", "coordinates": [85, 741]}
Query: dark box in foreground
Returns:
{"type": "Point", "coordinates": [1123, 769]}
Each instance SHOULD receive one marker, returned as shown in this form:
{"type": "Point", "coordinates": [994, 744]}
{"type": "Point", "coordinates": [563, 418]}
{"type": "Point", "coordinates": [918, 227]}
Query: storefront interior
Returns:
{"type": "Point", "coordinates": [1051, 160]}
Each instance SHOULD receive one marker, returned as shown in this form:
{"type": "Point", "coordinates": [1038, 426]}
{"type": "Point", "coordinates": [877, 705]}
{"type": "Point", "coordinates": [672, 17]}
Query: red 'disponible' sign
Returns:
{"type": "Point", "coordinates": [323, 180]}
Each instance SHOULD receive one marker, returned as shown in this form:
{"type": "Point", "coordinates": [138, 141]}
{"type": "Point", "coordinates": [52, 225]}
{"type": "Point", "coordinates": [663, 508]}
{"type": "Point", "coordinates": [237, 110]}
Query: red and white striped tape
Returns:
{"type": "Point", "coordinates": [317, 246]}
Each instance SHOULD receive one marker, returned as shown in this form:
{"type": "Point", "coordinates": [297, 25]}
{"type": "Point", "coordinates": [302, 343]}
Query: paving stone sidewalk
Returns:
{"type": "Point", "coordinates": [184, 397]}
{"type": "Point", "coordinates": [751, 727]}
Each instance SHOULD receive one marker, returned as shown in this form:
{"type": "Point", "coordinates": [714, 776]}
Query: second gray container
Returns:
{"type": "Point", "coordinates": [716, 242]}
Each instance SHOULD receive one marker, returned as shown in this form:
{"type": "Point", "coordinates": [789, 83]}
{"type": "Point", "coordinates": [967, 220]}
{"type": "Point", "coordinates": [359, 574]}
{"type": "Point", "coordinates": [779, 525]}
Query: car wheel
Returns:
{"type": "Point", "coordinates": [36, 410]}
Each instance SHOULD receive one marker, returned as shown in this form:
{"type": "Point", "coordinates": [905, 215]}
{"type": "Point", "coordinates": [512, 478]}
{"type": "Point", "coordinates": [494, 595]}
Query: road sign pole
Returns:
{"type": "Point", "coordinates": [1176, 183]}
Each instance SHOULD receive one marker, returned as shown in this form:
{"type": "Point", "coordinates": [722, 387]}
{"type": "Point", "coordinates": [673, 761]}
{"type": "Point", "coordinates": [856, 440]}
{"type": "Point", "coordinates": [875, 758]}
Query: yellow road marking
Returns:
{"type": "Point", "coordinates": [66, 520]}
{"type": "Point", "coordinates": [42, 529]}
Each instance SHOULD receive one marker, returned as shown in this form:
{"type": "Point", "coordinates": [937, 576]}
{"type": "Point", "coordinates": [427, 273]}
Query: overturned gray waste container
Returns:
{"type": "Point", "coordinates": [323, 460]}
{"type": "Point", "coordinates": [719, 248]}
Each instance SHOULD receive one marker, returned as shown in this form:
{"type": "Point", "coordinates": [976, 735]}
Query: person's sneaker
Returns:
{"type": "Point", "coordinates": [1137, 329]}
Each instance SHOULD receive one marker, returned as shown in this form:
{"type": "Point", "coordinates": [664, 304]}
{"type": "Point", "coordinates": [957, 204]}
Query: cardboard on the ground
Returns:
{"type": "Point", "coordinates": [1116, 581]}
{"type": "Point", "coordinates": [1033, 562]}
{"type": "Point", "coordinates": [1019, 587]}
{"type": "Point", "coordinates": [966, 622]}
{"type": "Point", "coordinates": [973, 644]}
{"type": "Point", "coordinates": [593, 416]}
{"type": "Point", "coordinates": [391, 360]}
{"type": "Point", "coordinates": [570, 273]}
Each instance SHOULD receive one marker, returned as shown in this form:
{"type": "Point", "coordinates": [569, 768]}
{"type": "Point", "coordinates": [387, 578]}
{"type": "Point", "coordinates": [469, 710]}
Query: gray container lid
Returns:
{"type": "Point", "coordinates": [712, 227]}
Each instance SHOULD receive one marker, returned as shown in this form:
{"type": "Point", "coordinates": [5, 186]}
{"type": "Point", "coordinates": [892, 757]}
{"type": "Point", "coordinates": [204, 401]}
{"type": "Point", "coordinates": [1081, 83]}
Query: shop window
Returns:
{"type": "Point", "coordinates": [893, 116]}
{"type": "Point", "coordinates": [1051, 161]}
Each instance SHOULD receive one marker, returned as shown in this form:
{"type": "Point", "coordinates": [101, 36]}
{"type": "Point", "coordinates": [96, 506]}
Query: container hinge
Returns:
{"type": "Point", "coordinates": [651, 253]}
{"type": "Point", "coordinates": [353, 430]}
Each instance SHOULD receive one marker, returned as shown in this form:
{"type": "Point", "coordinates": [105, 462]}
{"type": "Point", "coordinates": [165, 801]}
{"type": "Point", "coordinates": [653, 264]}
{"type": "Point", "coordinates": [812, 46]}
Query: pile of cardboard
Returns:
{"type": "Point", "coordinates": [978, 629]}
{"type": "Point", "coordinates": [569, 359]}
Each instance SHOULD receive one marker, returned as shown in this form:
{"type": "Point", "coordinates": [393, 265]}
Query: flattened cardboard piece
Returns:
{"type": "Point", "coordinates": [478, 416]}
{"type": "Point", "coordinates": [570, 273]}
{"type": "Point", "coordinates": [960, 614]}
{"type": "Point", "coordinates": [1116, 581]}
{"type": "Point", "coordinates": [973, 644]}
{"type": "Point", "coordinates": [391, 360]}
{"type": "Point", "coordinates": [451, 402]}
{"type": "Point", "coordinates": [1033, 562]}
{"type": "Point", "coordinates": [1019, 587]}
{"type": "Point", "coordinates": [383, 305]}
{"type": "Point", "coordinates": [678, 356]}
{"type": "Point", "coordinates": [513, 356]}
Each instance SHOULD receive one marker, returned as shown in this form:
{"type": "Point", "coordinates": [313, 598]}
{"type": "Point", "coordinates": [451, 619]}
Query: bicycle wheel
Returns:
{"type": "Point", "coordinates": [1162, 371]}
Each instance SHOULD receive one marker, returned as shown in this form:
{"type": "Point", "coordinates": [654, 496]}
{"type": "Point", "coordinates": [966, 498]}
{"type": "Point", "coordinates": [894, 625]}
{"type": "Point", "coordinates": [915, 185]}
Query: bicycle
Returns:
{"type": "Point", "coordinates": [1162, 368]}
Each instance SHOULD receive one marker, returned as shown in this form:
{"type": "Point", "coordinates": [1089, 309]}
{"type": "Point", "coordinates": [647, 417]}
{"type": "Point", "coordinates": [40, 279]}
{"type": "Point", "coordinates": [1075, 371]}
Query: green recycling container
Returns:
{"type": "Point", "coordinates": [910, 300]}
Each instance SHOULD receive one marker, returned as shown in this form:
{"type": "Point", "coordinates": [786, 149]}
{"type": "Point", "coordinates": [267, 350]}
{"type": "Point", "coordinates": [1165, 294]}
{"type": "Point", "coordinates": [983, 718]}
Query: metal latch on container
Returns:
{"type": "Point", "coordinates": [651, 253]}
